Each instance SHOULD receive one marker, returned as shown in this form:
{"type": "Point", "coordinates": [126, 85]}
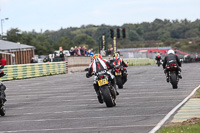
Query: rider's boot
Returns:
{"type": "Point", "coordinates": [125, 77]}
{"type": "Point", "coordinates": [167, 77]}
{"type": "Point", "coordinates": [113, 81]}
{"type": "Point", "coordinates": [179, 75]}
{"type": "Point", "coordinates": [98, 93]}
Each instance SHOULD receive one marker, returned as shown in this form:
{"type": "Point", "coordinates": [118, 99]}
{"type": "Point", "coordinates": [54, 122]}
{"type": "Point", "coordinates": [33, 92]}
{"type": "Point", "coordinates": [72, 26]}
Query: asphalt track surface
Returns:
{"type": "Point", "coordinates": [67, 103]}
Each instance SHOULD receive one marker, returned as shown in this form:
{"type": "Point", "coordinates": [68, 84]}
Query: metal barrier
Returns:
{"type": "Point", "coordinates": [33, 70]}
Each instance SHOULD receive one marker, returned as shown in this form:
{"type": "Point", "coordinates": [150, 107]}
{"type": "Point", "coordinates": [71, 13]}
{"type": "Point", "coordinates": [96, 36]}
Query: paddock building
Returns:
{"type": "Point", "coordinates": [16, 53]}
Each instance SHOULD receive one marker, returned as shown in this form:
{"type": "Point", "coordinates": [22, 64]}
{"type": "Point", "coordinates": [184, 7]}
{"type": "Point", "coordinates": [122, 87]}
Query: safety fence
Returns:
{"type": "Point", "coordinates": [139, 62]}
{"type": "Point", "coordinates": [33, 70]}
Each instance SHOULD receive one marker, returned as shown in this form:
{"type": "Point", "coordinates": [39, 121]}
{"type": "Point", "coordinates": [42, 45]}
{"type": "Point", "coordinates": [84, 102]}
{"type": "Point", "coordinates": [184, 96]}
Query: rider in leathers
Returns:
{"type": "Point", "coordinates": [2, 88]}
{"type": "Point", "coordinates": [96, 66]}
{"type": "Point", "coordinates": [118, 61]}
{"type": "Point", "coordinates": [171, 58]}
{"type": "Point", "coordinates": [158, 58]}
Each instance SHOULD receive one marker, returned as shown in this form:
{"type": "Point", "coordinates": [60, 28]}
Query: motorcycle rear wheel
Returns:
{"type": "Point", "coordinates": [109, 101]}
{"type": "Point", "coordinates": [173, 79]}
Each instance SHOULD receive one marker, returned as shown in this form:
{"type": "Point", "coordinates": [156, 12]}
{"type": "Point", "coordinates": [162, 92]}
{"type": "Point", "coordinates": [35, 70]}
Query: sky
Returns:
{"type": "Point", "coordinates": [53, 15]}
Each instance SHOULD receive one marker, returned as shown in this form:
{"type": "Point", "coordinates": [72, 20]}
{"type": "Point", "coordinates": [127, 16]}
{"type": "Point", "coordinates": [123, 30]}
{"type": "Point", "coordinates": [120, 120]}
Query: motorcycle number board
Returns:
{"type": "Point", "coordinates": [102, 82]}
{"type": "Point", "coordinates": [118, 73]}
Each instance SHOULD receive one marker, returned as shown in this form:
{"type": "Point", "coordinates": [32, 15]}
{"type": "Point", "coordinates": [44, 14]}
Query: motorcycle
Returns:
{"type": "Point", "coordinates": [117, 71]}
{"type": "Point", "coordinates": [107, 91]}
{"type": "Point", "coordinates": [158, 63]}
{"type": "Point", "coordinates": [173, 75]}
{"type": "Point", "coordinates": [2, 102]}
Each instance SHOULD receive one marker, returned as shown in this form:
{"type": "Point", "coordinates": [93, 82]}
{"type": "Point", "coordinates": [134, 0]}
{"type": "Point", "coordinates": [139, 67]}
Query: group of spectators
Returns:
{"type": "Point", "coordinates": [80, 51]}
{"type": "Point", "coordinates": [83, 51]}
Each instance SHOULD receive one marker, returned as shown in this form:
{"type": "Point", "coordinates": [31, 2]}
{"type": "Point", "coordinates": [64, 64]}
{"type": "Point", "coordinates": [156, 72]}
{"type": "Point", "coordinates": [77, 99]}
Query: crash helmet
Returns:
{"type": "Point", "coordinates": [97, 56]}
{"type": "Point", "coordinates": [116, 56]}
{"type": "Point", "coordinates": [170, 51]}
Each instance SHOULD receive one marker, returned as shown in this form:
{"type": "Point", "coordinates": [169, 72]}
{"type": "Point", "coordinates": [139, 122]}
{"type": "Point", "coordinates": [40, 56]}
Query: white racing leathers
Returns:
{"type": "Point", "coordinates": [99, 65]}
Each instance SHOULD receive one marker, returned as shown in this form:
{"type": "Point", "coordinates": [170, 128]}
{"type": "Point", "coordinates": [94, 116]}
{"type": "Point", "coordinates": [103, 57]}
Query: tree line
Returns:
{"type": "Point", "coordinates": [183, 34]}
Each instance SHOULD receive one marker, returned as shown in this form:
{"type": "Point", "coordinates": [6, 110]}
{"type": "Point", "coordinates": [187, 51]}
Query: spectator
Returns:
{"type": "Point", "coordinates": [33, 60]}
{"type": "Point", "coordinates": [86, 53]}
{"type": "Point", "coordinates": [3, 62]}
{"type": "Point", "coordinates": [90, 52]}
{"type": "Point", "coordinates": [61, 54]}
{"type": "Point", "coordinates": [45, 60]}
{"type": "Point", "coordinates": [71, 51]}
{"type": "Point", "coordinates": [75, 51]}
{"type": "Point", "coordinates": [83, 50]}
{"type": "Point", "coordinates": [108, 52]}
{"type": "Point", "coordinates": [79, 51]}
{"type": "Point", "coordinates": [103, 52]}
{"type": "Point", "coordinates": [48, 59]}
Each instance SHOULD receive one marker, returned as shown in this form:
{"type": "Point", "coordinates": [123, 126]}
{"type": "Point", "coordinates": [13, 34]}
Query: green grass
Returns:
{"type": "Point", "coordinates": [198, 92]}
{"type": "Point", "coordinates": [195, 128]}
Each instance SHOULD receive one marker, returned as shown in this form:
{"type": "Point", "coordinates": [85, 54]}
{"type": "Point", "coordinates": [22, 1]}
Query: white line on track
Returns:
{"type": "Point", "coordinates": [158, 126]}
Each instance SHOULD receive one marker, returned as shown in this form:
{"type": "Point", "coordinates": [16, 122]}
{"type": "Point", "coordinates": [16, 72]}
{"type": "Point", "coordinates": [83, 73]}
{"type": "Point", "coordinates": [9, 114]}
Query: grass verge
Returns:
{"type": "Point", "coordinates": [198, 92]}
{"type": "Point", "coordinates": [192, 128]}
{"type": "Point", "coordinates": [189, 126]}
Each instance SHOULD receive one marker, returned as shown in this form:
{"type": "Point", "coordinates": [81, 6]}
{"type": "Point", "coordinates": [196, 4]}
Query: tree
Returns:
{"type": "Point", "coordinates": [13, 35]}
{"type": "Point", "coordinates": [63, 42]}
{"type": "Point", "coordinates": [85, 39]}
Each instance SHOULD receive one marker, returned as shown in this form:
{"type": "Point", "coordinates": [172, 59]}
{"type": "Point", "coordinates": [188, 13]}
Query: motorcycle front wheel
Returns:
{"type": "Point", "coordinates": [119, 82]}
{"type": "Point", "coordinates": [2, 110]}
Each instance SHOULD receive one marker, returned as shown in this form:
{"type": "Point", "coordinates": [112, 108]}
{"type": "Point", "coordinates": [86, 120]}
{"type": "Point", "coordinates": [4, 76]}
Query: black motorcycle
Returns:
{"type": "Point", "coordinates": [2, 95]}
{"type": "Point", "coordinates": [107, 91]}
{"type": "Point", "coordinates": [118, 71]}
{"type": "Point", "coordinates": [172, 70]}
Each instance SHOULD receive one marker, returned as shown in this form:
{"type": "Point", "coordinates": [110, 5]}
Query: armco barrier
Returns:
{"type": "Point", "coordinates": [33, 70]}
{"type": "Point", "coordinates": [139, 61]}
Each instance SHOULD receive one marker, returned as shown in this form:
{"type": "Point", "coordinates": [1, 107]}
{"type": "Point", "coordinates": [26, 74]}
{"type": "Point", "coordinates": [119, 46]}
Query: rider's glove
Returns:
{"type": "Point", "coordinates": [87, 75]}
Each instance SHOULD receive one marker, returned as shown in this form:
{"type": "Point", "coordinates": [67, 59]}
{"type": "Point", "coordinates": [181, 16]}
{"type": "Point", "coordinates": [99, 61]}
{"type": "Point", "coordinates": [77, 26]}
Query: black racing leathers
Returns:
{"type": "Point", "coordinates": [2, 92]}
{"type": "Point", "coordinates": [172, 59]}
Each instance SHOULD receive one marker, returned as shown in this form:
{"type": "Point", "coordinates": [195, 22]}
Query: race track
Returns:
{"type": "Point", "coordinates": [67, 103]}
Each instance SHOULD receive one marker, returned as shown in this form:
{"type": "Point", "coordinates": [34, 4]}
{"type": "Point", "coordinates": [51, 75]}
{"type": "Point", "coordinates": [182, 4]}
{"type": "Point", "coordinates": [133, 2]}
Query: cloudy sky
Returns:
{"type": "Point", "coordinates": [27, 15]}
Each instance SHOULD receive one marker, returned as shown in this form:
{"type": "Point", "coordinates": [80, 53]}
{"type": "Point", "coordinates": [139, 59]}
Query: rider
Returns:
{"type": "Point", "coordinates": [118, 61]}
{"type": "Point", "coordinates": [158, 57]}
{"type": "Point", "coordinates": [98, 65]}
{"type": "Point", "coordinates": [2, 88]}
{"type": "Point", "coordinates": [171, 58]}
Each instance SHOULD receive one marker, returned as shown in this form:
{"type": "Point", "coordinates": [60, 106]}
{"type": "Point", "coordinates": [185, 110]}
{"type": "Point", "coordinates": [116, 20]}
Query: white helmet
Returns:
{"type": "Point", "coordinates": [170, 51]}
